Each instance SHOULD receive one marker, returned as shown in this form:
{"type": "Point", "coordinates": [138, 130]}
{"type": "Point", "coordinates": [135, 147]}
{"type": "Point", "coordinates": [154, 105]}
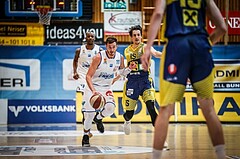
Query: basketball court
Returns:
{"type": "Point", "coordinates": [64, 141]}
{"type": "Point", "coordinates": [185, 141]}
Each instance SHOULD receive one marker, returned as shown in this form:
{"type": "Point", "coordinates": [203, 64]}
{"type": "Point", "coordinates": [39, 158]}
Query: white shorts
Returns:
{"type": "Point", "coordinates": [106, 92]}
{"type": "Point", "coordinates": [81, 86]}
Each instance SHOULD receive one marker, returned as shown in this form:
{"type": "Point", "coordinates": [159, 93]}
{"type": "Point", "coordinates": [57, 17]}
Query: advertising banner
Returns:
{"type": "Point", "coordinates": [35, 77]}
{"type": "Point", "coordinates": [74, 34]}
{"type": "Point", "coordinates": [41, 111]}
{"type": "Point", "coordinates": [46, 72]}
{"type": "Point", "coordinates": [233, 23]}
{"type": "Point", "coordinates": [227, 107]}
{"type": "Point", "coordinates": [118, 23]}
{"type": "Point", "coordinates": [20, 74]}
{"type": "Point", "coordinates": [114, 5]}
{"type": "Point", "coordinates": [21, 34]}
{"type": "Point", "coordinates": [227, 75]}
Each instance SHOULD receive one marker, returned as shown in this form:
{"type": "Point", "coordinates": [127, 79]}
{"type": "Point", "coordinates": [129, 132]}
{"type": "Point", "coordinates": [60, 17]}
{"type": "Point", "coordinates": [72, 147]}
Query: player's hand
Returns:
{"type": "Point", "coordinates": [132, 65]}
{"type": "Point", "coordinates": [95, 92]}
{"type": "Point", "coordinates": [75, 76]}
{"type": "Point", "coordinates": [145, 59]}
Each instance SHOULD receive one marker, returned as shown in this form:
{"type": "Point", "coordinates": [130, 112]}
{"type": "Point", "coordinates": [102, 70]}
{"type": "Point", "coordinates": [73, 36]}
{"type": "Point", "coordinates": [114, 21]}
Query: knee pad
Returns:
{"type": "Point", "coordinates": [128, 115]}
{"type": "Point", "coordinates": [88, 119]}
{"type": "Point", "coordinates": [108, 109]}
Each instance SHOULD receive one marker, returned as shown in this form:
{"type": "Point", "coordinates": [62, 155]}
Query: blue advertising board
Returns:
{"type": "Point", "coordinates": [46, 72]}
{"type": "Point", "coordinates": [37, 80]}
{"type": "Point", "coordinates": [41, 111]}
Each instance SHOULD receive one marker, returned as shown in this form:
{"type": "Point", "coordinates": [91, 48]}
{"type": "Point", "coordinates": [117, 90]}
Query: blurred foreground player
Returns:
{"type": "Point", "coordinates": [187, 55]}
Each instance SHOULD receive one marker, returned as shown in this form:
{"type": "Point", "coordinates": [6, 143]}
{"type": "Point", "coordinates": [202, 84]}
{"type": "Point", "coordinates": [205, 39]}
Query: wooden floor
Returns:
{"type": "Point", "coordinates": [186, 141]}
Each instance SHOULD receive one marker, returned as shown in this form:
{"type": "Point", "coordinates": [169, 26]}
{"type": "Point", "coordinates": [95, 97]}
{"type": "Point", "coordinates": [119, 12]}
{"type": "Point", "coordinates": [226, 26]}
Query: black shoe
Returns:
{"type": "Point", "coordinates": [99, 124]}
{"type": "Point", "coordinates": [85, 141]}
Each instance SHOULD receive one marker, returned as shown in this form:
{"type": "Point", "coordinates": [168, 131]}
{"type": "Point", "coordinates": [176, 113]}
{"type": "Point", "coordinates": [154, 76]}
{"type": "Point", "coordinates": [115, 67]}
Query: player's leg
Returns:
{"type": "Point", "coordinates": [98, 121]}
{"type": "Point", "coordinates": [109, 106]}
{"type": "Point", "coordinates": [203, 86]}
{"type": "Point", "coordinates": [161, 130]}
{"type": "Point", "coordinates": [214, 126]}
{"type": "Point", "coordinates": [79, 98]}
{"type": "Point", "coordinates": [87, 125]}
{"type": "Point", "coordinates": [89, 113]}
{"type": "Point", "coordinates": [204, 90]}
{"type": "Point", "coordinates": [107, 110]}
{"type": "Point", "coordinates": [129, 101]}
{"type": "Point", "coordinates": [173, 77]}
{"type": "Point", "coordinates": [148, 97]}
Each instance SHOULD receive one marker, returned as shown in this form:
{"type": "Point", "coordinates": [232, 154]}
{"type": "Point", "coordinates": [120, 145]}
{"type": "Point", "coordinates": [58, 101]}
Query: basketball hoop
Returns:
{"type": "Point", "coordinates": [44, 14]}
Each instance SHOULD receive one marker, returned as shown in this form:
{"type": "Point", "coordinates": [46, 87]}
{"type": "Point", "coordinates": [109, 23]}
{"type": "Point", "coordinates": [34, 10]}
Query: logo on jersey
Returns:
{"type": "Point", "coordinates": [109, 93]}
{"type": "Point", "coordinates": [172, 69]}
{"type": "Point", "coordinates": [106, 75]}
{"type": "Point", "coordinates": [86, 64]}
{"type": "Point", "coordinates": [190, 17]}
{"type": "Point", "coordinates": [20, 74]}
{"type": "Point", "coordinates": [105, 60]}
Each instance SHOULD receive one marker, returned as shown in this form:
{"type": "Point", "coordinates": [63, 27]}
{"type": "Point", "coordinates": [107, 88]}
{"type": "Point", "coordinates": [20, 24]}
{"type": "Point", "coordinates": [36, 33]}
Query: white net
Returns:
{"type": "Point", "coordinates": [44, 15]}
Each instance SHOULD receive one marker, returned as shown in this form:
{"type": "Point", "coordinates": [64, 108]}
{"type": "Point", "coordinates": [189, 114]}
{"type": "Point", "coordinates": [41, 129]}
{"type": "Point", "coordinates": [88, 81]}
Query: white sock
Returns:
{"type": "Point", "coordinates": [220, 151]}
{"type": "Point", "coordinates": [156, 154]}
{"type": "Point", "coordinates": [99, 116]}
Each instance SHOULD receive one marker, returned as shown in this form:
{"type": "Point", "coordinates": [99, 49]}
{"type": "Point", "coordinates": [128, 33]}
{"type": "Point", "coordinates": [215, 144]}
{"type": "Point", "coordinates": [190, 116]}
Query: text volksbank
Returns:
{"type": "Point", "coordinates": [50, 108]}
{"type": "Point", "coordinates": [41, 111]}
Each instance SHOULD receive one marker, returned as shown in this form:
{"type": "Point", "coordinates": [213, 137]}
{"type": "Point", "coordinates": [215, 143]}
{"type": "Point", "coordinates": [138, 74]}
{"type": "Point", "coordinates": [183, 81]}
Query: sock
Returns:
{"type": "Point", "coordinates": [156, 154]}
{"type": "Point", "coordinates": [99, 116]}
{"type": "Point", "coordinates": [220, 151]}
{"type": "Point", "coordinates": [86, 132]}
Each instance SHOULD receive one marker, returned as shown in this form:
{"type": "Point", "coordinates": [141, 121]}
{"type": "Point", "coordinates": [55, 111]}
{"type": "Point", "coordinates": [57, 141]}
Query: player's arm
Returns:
{"type": "Point", "coordinates": [75, 63]}
{"type": "Point", "coordinates": [154, 52]}
{"type": "Point", "coordinates": [122, 66]}
{"type": "Point", "coordinates": [155, 24]}
{"type": "Point", "coordinates": [92, 69]}
{"type": "Point", "coordinates": [215, 16]}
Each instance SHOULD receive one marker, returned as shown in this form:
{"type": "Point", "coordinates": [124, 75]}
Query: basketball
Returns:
{"type": "Point", "coordinates": [97, 101]}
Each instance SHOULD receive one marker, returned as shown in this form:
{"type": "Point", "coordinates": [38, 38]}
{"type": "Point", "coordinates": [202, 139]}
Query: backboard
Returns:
{"type": "Point", "coordinates": [61, 8]}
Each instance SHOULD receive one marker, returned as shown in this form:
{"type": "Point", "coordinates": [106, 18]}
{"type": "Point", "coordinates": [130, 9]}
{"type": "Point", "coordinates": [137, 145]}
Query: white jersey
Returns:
{"type": "Point", "coordinates": [106, 70]}
{"type": "Point", "coordinates": [102, 80]}
{"type": "Point", "coordinates": [84, 60]}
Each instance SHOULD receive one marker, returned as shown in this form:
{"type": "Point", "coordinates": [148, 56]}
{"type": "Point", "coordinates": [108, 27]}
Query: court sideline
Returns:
{"type": "Point", "coordinates": [51, 141]}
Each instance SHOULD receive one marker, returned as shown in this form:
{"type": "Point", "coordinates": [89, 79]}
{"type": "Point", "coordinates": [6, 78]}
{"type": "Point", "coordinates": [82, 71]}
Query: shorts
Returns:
{"type": "Point", "coordinates": [135, 88]}
{"type": "Point", "coordinates": [81, 85]}
{"type": "Point", "coordinates": [186, 57]}
{"type": "Point", "coordinates": [106, 92]}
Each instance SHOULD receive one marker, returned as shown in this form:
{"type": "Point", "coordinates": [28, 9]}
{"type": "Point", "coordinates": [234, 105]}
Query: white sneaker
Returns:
{"type": "Point", "coordinates": [127, 127]}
